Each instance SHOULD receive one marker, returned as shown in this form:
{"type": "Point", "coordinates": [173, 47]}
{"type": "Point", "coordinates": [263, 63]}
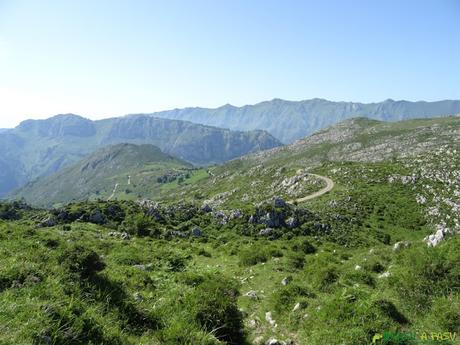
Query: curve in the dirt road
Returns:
{"type": "Point", "coordinates": [329, 185]}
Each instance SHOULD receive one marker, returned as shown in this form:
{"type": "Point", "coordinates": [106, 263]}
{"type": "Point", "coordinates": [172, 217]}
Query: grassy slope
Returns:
{"type": "Point", "coordinates": [133, 168]}
{"type": "Point", "coordinates": [187, 295]}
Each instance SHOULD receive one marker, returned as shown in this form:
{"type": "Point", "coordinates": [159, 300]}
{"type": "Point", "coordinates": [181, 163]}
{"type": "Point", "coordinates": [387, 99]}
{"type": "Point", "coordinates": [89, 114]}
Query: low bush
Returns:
{"type": "Point", "coordinates": [81, 261]}
{"type": "Point", "coordinates": [253, 255]}
{"type": "Point", "coordinates": [295, 261]}
{"type": "Point", "coordinates": [215, 308]}
{"type": "Point", "coordinates": [303, 246]}
{"type": "Point", "coordinates": [284, 298]}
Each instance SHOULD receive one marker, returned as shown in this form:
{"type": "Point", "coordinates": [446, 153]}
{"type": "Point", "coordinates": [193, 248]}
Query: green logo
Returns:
{"type": "Point", "coordinates": [412, 338]}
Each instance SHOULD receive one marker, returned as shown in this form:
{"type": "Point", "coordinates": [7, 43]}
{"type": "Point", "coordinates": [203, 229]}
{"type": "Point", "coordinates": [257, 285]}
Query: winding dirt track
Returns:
{"type": "Point", "coordinates": [329, 185]}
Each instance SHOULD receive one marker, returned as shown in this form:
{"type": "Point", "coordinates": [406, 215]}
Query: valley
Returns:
{"type": "Point", "coordinates": [368, 244]}
{"type": "Point", "coordinates": [38, 148]}
{"type": "Point", "coordinates": [229, 172]}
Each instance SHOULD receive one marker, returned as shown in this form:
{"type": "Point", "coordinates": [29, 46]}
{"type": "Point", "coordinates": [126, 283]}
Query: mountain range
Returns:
{"type": "Point", "coordinates": [292, 120]}
{"type": "Point", "coordinates": [42, 147]}
{"type": "Point", "coordinates": [130, 172]}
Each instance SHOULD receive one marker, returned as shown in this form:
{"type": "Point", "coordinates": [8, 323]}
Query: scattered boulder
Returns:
{"type": "Point", "coordinates": [48, 222]}
{"type": "Point", "coordinates": [279, 202]}
{"type": "Point", "coordinates": [269, 318]}
{"type": "Point", "coordinates": [252, 219]}
{"type": "Point", "coordinates": [292, 222]}
{"type": "Point", "coordinates": [286, 281]}
{"type": "Point", "coordinates": [196, 232]}
{"type": "Point", "coordinates": [174, 233]}
{"type": "Point", "coordinates": [266, 232]}
{"type": "Point", "coordinates": [63, 216]}
{"type": "Point", "coordinates": [251, 294]}
{"type": "Point", "coordinates": [154, 211]}
{"type": "Point", "coordinates": [299, 305]}
{"type": "Point", "coordinates": [235, 214]}
{"type": "Point", "coordinates": [273, 219]}
{"type": "Point", "coordinates": [333, 203]}
{"type": "Point", "coordinates": [434, 239]}
{"type": "Point", "coordinates": [384, 275]}
{"type": "Point", "coordinates": [206, 208]}
{"type": "Point", "coordinates": [220, 216]}
{"type": "Point", "coordinates": [142, 267]}
{"type": "Point", "coordinates": [253, 323]}
{"type": "Point", "coordinates": [138, 296]}
{"type": "Point", "coordinates": [258, 340]}
{"type": "Point", "coordinates": [420, 199]}
{"type": "Point", "coordinates": [400, 245]}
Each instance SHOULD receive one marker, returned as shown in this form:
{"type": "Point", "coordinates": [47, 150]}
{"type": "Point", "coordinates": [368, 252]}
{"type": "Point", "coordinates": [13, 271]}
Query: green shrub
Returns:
{"type": "Point", "coordinates": [275, 252]}
{"type": "Point", "coordinates": [253, 255]}
{"type": "Point", "coordinates": [204, 252]}
{"type": "Point", "coordinates": [184, 333]}
{"type": "Point", "coordinates": [72, 325]}
{"type": "Point", "coordinates": [295, 261]}
{"type": "Point", "coordinates": [446, 313]}
{"type": "Point", "coordinates": [325, 278]}
{"type": "Point", "coordinates": [285, 297]}
{"type": "Point", "coordinates": [303, 246]}
{"type": "Point", "coordinates": [19, 275]}
{"type": "Point", "coordinates": [175, 261]}
{"type": "Point", "coordinates": [81, 261]}
{"type": "Point", "coordinates": [359, 277]}
{"type": "Point", "coordinates": [138, 224]}
{"type": "Point", "coordinates": [8, 212]}
{"type": "Point", "coordinates": [422, 273]}
{"type": "Point", "coordinates": [388, 309]}
{"type": "Point", "coordinates": [191, 279]}
{"type": "Point", "coordinates": [373, 264]}
{"type": "Point", "coordinates": [216, 310]}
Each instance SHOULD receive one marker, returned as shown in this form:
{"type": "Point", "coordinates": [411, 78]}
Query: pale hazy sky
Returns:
{"type": "Point", "coordinates": [101, 58]}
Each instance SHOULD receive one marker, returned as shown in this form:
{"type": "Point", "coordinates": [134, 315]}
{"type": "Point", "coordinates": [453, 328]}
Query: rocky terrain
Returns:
{"type": "Point", "coordinates": [228, 259]}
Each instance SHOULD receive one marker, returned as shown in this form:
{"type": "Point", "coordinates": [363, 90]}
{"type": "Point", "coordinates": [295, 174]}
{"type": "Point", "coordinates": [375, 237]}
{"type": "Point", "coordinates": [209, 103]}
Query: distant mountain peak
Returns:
{"type": "Point", "coordinates": [60, 125]}
{"type": "Point", "coordinates": [67, 115]}
{"type": "Point", "coordinates": [292, 120]}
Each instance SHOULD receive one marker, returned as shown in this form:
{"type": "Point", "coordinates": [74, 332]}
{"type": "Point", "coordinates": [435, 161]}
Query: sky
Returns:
{"type": "Point", "coordinates": [104, 58]}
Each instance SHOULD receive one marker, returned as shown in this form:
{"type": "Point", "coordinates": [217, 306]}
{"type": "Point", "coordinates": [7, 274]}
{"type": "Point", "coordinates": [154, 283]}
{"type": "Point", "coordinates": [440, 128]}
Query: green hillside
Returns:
{"type": "Point", "coordinates": [284, 170]}
{"type": "Point", "coordinates": [122, 171]}
{"type": "Point", "coordinates": [226, 260]}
